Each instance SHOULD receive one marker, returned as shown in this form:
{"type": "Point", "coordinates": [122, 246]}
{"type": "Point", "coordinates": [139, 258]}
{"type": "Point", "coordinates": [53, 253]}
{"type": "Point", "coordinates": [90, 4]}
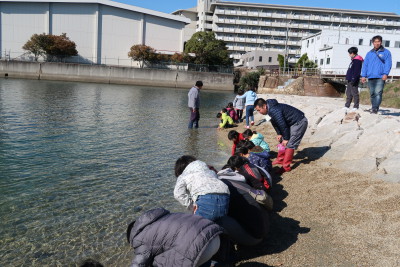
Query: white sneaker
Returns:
{"type": "Point", "coordinates": [354, 109]}
{"type": "Point", "coordinates": [345, 109]}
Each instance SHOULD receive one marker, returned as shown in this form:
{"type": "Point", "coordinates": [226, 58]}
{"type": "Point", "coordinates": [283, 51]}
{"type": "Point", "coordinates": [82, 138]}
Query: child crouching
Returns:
{"type": "Point", "coordinates": [199, 189]}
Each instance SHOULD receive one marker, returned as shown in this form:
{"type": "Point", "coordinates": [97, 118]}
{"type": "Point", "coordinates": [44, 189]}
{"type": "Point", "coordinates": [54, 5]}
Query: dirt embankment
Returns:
{"type": "Point", "coordinates": [330, 211]}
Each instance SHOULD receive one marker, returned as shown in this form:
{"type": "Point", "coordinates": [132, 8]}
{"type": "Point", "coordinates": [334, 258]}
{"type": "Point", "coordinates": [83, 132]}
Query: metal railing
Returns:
{"type": "Point", "coordinates": [119, 62]}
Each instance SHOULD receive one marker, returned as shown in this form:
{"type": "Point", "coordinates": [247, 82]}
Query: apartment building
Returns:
{"type": "Point", "coordinates": [328, 49]}
{"type": "Point", "coordinates": [249, 26]}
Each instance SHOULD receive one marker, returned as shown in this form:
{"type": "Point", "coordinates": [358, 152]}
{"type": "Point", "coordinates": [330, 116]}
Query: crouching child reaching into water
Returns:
{"type": "Point", "coordinates": [226, 120]}
{"type": "Point", "coordinates": [199, 189]}
{"type": "Point", "coordinates": [161, 238]}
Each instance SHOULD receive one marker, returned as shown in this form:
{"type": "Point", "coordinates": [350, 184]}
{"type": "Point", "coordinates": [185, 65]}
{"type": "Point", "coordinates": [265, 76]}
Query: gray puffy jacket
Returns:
{"type": "Point", "coordinates": [161, 238]}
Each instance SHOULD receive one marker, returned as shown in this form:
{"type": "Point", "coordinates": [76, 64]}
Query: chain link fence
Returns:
{"type": "Point", "coordinates": [119, 62]}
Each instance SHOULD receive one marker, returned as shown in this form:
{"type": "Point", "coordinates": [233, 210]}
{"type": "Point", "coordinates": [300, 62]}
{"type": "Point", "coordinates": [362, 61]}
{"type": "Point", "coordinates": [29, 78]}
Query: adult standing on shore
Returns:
{"type": "Point", "coordinates": [376, 68]}
{"type": "Point", "coordinates": [290, 125]}
{"type": "Point", "coordinates": [194, 105]}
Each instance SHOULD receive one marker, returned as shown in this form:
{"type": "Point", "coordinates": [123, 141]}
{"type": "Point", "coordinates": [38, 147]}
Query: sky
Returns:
{"type": "Point", "coordinates": [169, 6]}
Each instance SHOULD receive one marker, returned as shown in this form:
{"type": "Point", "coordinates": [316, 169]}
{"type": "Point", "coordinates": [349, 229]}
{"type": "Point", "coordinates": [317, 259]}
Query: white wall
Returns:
{"type": "Point", "coordinates": [163, 35]}
{"type": "Point", "coordinates": [78, 22]}
{"type": "Point", "coordinates": [120, 30]}
{"type": "Point", "coordinates": [102, 33]}
{"type": "Point", "coordinates": [18, 22]}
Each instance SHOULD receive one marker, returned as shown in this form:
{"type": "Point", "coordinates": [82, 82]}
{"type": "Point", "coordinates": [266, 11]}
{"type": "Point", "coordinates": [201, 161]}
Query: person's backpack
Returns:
{"type": "Point", "coordinates": [254, 176]}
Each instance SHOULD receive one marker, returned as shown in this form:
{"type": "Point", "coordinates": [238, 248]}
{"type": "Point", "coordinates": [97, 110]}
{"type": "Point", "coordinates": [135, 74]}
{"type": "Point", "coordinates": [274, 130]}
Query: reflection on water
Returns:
{"type": "Point", "coordinates": [79, 161]}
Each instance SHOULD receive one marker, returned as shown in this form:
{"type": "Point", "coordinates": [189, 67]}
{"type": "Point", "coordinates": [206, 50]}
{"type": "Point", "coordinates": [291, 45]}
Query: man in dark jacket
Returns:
{"type": "Point", "coordinates": [161, 238]}
{"type": "Point", "coordinates": [290, 125]}
{"type": "Point", "coordinates": [353, 79]}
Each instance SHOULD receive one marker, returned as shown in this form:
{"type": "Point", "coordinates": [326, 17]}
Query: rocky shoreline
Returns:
{"type": "Point", "coordinates": [340, 206]}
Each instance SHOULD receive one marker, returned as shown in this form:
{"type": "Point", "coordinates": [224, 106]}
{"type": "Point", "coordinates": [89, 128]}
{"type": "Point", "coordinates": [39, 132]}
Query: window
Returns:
{"type": "Point", "coordinates": [397, 44]}
{"type": "Point", "coordinates": [321, 61]}
{"type": "Point", "coordinates": [316, 61]}
{"type": "Point", "coordinates": [270, 59]}
{"type": "Point", "coordinates": [387, 43]}
{"type": "Point", "coordinates": [312, 40]}
{"type": "Point", "coordinates": [328, 61]}
{"type": "Point", "coordinates": [347, 40]}
{"type": "Point", "coordinates": [260, 59]}
{"type": "Point", "coordinates": [360, 41]}
{"type": "Point", "coordinates": [398, 65]}
{"type": "Point", "coordinates": [308, 43]}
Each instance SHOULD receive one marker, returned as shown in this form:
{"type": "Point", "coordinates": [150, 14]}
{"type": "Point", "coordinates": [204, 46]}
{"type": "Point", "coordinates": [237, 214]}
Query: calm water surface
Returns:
{"type": "Point", "coordinates": [79, 161]}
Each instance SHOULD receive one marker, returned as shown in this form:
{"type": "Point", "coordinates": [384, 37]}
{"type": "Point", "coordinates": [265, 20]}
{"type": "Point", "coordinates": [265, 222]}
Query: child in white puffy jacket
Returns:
{"type": "Point", "coordinates": [199, 189]}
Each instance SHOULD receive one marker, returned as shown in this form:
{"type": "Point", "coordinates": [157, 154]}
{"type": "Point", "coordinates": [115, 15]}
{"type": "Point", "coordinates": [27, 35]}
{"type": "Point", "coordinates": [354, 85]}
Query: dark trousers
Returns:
{"type": "Point", "coordinates": [352, 92]}
{"type": "Point", "coordinates": [240, 114]}
{"type": "Point", "coordinates": [194, 118]}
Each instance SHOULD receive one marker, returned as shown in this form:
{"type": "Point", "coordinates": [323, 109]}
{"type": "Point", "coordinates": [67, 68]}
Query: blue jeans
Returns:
{"type": "Point", "coordinates": [376, 90]}
{"type": "Point", "coordinates": [212, 206]}
{"type": "Point", "coordinates": [249, 113]}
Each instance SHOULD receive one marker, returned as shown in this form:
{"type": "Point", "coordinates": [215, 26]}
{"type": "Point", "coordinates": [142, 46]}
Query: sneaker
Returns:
{"type": "Point", "coordinates": [252, 123]}
{"type": "Point", "coordinates": [247, 127]}
{"type": "Point", "coordinates": [345, 109]}
{"type": "Point", "coordinates": [354, 109]}
{"type": "Point", "coordinates": [374, 111]}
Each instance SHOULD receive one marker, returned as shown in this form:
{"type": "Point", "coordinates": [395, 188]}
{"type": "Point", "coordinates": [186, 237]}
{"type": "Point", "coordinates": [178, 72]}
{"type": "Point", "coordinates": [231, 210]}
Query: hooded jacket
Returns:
{"type": "Point", "coordinates": [161, 238]}
{"type": "Point", "coordinates": [232, 113]}
{"type": "Point", "coordinates": [283, 116]}
{"type": "Point", "coordinates": [258, 140]}
{"type": "Point", "coordinates": [226, 119]}
{"type": "Point", "coordinates": [196, 180]}
{"type": "Point", "coordinates": [250, 97]}
{"type": "Point", "coordinates": [261, 159]}
{"type": "Point", "coordinates": [238, 103]}
{"type": "Point", "coordinates": [354, 71]}
{"type": "Point", "coordinates": [377, 63]}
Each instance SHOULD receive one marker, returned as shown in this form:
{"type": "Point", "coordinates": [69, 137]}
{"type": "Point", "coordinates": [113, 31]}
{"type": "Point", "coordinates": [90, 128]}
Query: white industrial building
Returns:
{"type": "Point", "coordinates": [250, 26]}
{"type": "Point", "coordinates": [329, 49]}
{"type": "Point", "coordinates": [260, 59]}
{"type": "Point", "coordinates": [103, 30]}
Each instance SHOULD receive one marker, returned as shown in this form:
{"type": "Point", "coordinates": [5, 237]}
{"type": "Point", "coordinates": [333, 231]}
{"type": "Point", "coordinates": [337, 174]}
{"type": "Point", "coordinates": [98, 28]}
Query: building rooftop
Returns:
{"type": "Point", "coordinates": [111, 4]}
{"type": "Point", "coordinates": [302, 8]}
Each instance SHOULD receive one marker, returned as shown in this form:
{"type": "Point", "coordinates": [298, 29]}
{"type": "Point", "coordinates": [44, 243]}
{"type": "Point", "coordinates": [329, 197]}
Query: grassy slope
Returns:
{"type": "Point", "coordinates": [390, 99]}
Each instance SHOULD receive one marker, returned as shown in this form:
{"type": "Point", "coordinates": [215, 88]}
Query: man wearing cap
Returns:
{"type": "Point", "coordinates": [194, 105]}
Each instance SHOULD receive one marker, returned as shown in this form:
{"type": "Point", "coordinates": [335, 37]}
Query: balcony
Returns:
{"type": "Point", "coordinates": [220, 11]}
{"type": "Point", "coordinates": [243, 13]}
{"type": "Point", "coordinates": [253, 14]}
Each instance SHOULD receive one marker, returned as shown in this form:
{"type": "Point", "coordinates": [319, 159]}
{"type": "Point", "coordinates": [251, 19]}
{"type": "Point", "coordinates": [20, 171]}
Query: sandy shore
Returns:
{"type": "Point", "coordinates": [326, 215]}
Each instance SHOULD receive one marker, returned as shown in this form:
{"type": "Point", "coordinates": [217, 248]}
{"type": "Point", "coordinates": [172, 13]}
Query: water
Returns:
{"type": "Point", "coordinates": [79, 161]}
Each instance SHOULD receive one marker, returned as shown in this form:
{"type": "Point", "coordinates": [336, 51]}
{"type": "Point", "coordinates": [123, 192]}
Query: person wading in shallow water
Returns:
{"type": "Point", "coordinates": [290, 124]}
{"type": "Point", "coordinates": [194, 105]}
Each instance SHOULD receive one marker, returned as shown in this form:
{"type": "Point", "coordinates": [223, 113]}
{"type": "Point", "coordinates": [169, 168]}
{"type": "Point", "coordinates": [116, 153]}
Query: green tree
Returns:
{"type": "Point", "coordinates": [143, 53]}
{"type": "Point", "coordinates": [281, 60]}
{"type": "Point", "coordinates": [208, 49]}
{"type": "Point", "coordinates": [304, 62]}
{"type": "Point", "coordinates": [251, 79]}
{"type": "Point", "coordinates": [37, 45]}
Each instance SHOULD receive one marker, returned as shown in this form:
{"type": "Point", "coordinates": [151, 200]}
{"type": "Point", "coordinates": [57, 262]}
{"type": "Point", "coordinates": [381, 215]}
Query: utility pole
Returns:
{"type": "Point", "coordinates": [286, 47]}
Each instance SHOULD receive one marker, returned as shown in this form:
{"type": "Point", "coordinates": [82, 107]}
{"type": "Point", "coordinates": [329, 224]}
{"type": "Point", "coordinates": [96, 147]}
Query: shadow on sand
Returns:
{"type": "Point", "coordinates": [283, 231]}
{"type": "Point", "coordinates": [309, 154]}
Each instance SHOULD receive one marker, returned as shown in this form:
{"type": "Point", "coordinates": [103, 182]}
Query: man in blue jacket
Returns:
{"type": "Point", "coordinates": [290, 125]}
{"type": "Point", "coordinates": [376, 68]}
{"type": "Point", "coordinates": [194, 104]}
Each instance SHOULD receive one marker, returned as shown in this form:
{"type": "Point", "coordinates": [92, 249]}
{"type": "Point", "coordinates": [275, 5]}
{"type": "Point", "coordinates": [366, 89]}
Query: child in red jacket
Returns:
{"type": "Point", "coordinates": [235, 137]}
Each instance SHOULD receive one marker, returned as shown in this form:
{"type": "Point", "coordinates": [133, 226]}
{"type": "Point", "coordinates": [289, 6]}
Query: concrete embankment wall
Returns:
{"type": "Point", "coordinates": [115, 75]}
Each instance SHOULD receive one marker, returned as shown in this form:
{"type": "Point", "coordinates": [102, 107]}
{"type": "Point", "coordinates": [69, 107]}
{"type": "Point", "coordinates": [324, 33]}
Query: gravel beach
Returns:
{"type": "Point", "coordinates": [332, 209]}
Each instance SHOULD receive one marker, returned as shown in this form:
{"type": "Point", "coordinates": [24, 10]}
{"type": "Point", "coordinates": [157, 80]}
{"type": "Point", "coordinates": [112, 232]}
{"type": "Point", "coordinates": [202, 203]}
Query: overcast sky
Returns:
{"type": "Point", "coordinates": [169, 6]}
